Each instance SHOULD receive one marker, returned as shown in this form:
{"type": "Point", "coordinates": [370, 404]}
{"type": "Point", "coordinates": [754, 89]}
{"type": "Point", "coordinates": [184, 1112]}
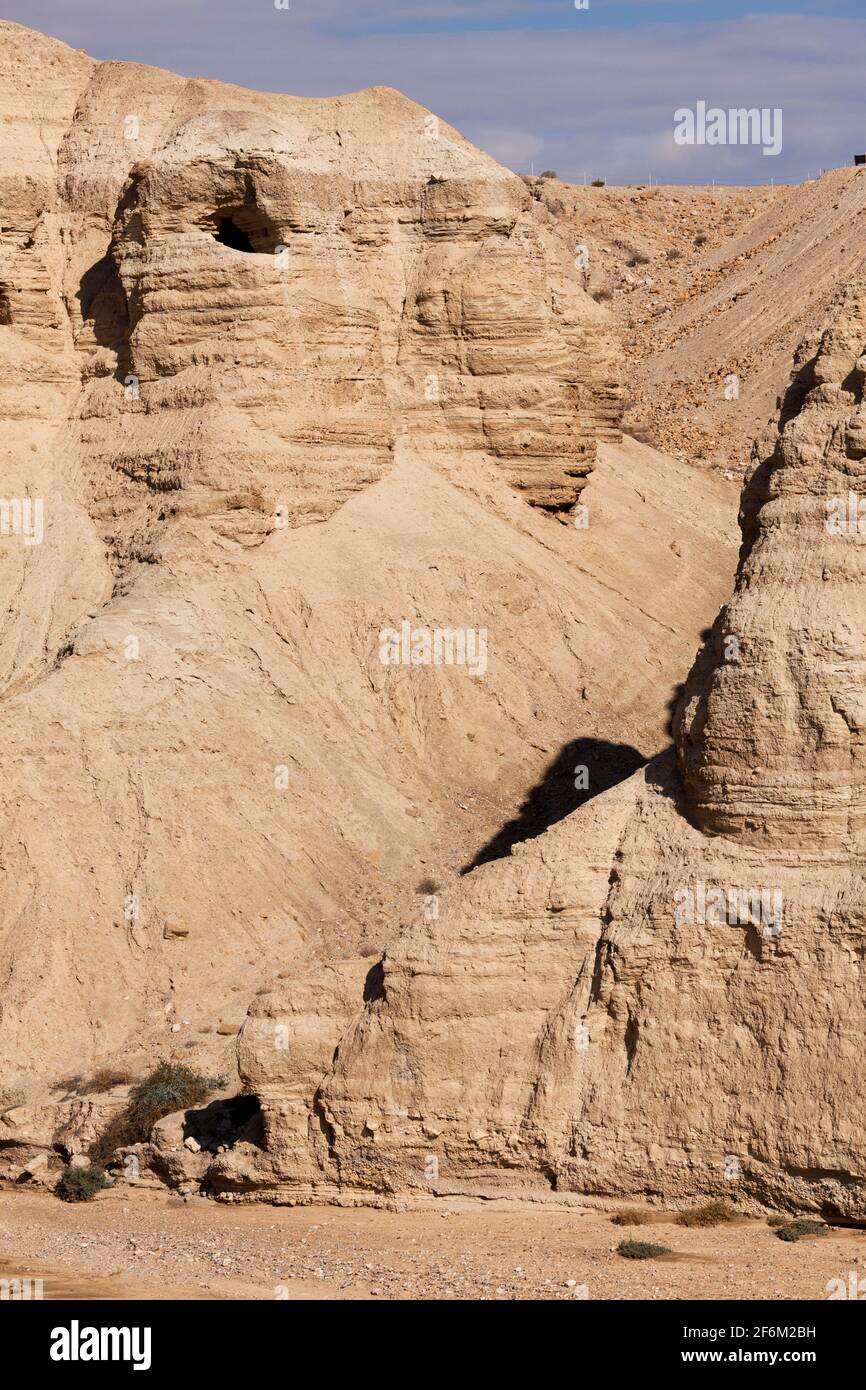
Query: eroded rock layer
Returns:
{"type": "Point", "coordinates": [663, 995]}
{"type": "Point", "coordinates": [772, 734]}
{"type": "Point", "coordinates": [281, 374]}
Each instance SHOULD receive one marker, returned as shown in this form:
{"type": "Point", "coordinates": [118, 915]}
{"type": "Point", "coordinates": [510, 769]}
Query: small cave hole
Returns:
{"type": "Point", "coordinates": [244, 227]}
{"type": "Point", "coordinates": [230, 234]}
{"type": "Point", "coordinates": [224, 1123]}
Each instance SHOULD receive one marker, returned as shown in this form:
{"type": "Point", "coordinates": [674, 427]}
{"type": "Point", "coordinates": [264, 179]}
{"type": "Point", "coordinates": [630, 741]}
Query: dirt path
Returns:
{"type": "Point", "coordinates": [148, 1245]}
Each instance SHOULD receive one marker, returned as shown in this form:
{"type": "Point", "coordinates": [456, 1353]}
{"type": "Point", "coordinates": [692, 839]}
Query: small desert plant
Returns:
{"type": "Point", "coordinates": [675, 254]}
{"type": "Point", "coordinates": [640, 1250]}
{"type": "Point", "coordinates": [427, 886]}
{"type": "Point", "coordinates": [103, 1079]}
{"type": "Point", "coordinates": [598, 183]}
{"type": "Point", "coordinates": [80, 1184]}
{"type": "Point", "coordinates": [600, 295]}
{"type": "Point", "coordinates": [793, 1230]}
{"type": "Point", "coordinates": [778, 1220]}
{"type": "Point", "coordinates": [701, 239]}
{"type": "Point", "coordinates": [710, 1214]}
{"type": "Point", "coordinates": [631, 1217]}
{"type": "Point", "coordinates": [170, 1086]}
{"type": "Point", "coordinates": [638, 258]}
{"type": "Point", "coordinates": [548, 174]}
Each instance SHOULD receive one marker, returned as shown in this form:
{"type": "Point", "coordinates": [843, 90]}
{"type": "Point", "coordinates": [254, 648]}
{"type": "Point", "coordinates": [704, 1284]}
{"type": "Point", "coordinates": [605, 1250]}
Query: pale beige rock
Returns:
{"type": "Point", "coordinates": [635, 1003]}
{"type": "Point", "coordinates": [251, 465]}
{"type": "Point", "coordinates": [772, 731]}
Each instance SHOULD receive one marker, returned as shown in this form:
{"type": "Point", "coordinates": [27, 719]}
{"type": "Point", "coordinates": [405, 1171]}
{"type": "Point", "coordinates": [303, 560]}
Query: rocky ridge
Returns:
{"type": "Point", "coordinates": [663, 994]}
{"type": "Point", "coordinates": [285, 373]}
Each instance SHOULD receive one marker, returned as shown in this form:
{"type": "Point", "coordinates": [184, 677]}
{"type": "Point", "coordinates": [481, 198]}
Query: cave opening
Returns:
{"type": "Point", "coordinates": [230, 234]}
{"type": "Point", "coordinates": [244, 227]}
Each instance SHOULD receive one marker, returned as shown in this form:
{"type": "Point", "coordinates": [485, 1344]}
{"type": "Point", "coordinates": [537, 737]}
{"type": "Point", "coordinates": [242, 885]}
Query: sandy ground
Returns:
{"type": "Point", "coordinates": [148, 1245]}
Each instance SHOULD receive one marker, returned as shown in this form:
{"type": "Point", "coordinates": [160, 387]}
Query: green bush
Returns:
{"type": "Point", "coordinates": [170, 1086]}
{"type": "Point", "coordinates": [710, 1214]}
{"type": "Point", "coordinates": [640, 1250]}
{"type": "Point", "coordinates": [778, 1220]}
{"type": "Point", "coordinates": [80, 1184]}
{"type": "Point", "coordinates": [598, 183]}
{"type": "Point", "coordinates": [793, 1230]}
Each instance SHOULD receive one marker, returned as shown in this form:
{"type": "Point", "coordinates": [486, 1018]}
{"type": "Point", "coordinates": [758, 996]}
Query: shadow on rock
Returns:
{"type": "Point", "coordinates": [562, 789]}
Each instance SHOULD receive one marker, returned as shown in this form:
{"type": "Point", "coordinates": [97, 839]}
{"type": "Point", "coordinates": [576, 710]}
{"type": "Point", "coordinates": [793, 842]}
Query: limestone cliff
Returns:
{"type": "Point", "coordinates": [282, 374]}
{"type": "Point", "coordinates": [664, 994]}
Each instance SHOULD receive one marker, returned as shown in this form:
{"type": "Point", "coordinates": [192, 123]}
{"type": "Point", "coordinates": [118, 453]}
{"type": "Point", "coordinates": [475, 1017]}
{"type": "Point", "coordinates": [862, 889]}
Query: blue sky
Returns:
{"type": "Point", "coordinates": [543, 84]}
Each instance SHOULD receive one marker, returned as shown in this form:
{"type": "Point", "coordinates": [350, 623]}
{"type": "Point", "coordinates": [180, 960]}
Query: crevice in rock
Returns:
{"type": "Point", "coordinates": [226, 1123]}
{"type": "Point", "coordinates": [632, 1037]}
{"type": "Point", "coordinates": [231, 235]}
{"type": "Point", "coordinates": [102, 300]}
{"type": "Point", "coordinates": [318, 1113]}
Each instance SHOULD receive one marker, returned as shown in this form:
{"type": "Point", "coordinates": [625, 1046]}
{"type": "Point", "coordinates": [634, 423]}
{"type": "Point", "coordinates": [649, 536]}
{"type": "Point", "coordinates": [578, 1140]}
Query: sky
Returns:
{"type": "Point", "coordinates": [589, 93]}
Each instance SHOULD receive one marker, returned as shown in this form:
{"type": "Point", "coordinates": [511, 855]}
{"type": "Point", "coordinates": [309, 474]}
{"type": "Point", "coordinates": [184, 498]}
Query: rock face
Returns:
{"type": "Point", "coordinates": [772, 732]}
{"type": "Point", "coordinates": [283, 374]}
{"type": "Point", "coordinates": [664, 994]}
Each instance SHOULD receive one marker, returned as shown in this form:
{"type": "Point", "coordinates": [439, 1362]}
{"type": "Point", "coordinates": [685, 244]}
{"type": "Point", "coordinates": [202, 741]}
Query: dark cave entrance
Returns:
{"type": "Point", "coordinates": [244, 227]}
{"type": "Point", "coordinates": [230, 234]}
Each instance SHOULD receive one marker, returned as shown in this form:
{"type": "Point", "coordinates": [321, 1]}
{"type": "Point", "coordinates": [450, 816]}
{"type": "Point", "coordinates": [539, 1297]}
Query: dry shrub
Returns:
{"type": "Point", "coordinates": [710, 1214]}
{"type": "Point", "coordinates": [631, 1217]}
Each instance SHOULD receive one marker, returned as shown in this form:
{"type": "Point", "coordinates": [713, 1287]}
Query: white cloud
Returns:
{"type": "Point", "coordinates": [570, 98]}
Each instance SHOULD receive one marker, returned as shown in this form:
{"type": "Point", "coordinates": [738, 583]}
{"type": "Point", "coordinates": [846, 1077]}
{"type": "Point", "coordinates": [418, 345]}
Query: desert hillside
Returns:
{"type": "Point", "coordinates": [286, 374]}
{"type": "Point", "coordinates": [662, 996]}
{"type": "Point", "coordinates": [709, 284]}
{"type": "Point", "coordinates": [433, 670]}
{"type": "Point", "coordinates": [398, 724]}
